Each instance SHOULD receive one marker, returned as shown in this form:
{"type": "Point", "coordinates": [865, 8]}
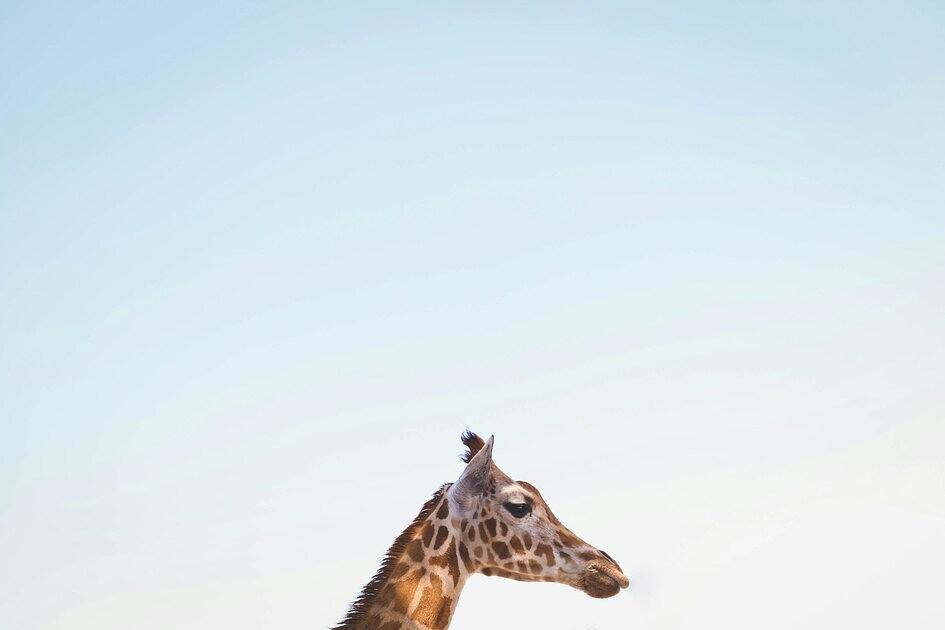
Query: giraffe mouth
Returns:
{"type": "Point", "coordinates": [603, 581]}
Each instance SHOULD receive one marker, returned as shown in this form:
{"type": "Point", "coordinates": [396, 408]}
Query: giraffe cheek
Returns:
{"type": "Point", "coordinates": [516, 543]}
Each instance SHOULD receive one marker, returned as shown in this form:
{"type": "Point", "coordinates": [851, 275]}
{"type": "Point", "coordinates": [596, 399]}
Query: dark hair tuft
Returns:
{"type": "Point", "coordinates": [473, 445]}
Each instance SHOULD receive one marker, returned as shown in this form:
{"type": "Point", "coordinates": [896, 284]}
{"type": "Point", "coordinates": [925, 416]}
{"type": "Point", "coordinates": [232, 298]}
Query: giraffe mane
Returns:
{"type": "Point", "coordinates": [473, 444]}
{"type": "Point", "coordinates": [362, 603]}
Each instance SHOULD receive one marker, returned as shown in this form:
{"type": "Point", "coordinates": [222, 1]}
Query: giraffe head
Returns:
{"type": "Point", "coordinates": [511, 532]}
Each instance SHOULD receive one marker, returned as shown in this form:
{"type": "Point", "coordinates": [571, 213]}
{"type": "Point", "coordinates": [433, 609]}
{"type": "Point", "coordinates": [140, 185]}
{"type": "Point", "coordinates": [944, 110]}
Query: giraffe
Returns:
{"type": "Point", "coordinates": [483, 523]}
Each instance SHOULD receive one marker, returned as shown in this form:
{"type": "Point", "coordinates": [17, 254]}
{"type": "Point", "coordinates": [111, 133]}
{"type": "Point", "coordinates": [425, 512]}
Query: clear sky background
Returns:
{"type": "Point", "coordinates": [261, 265]}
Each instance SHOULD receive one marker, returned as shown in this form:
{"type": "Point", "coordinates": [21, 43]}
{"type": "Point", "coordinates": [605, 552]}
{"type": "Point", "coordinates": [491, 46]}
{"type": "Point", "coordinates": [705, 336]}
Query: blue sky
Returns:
{"type": "Point", "coordinates": [261, 265]}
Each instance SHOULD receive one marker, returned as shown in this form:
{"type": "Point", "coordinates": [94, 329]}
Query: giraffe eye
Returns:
{"type": "Point", "coordinates": [518, 510]}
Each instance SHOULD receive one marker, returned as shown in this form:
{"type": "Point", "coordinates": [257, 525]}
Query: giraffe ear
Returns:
{"type": "Point", "coordinates": [474, 480]}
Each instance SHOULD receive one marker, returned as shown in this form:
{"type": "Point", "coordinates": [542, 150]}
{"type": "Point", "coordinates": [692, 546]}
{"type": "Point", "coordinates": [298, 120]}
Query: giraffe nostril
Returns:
{"type": "Point", "coordinates": [607, 555]}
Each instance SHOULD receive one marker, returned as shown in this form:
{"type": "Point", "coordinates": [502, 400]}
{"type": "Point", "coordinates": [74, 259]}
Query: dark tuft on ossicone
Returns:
{"type": "Point", "coordinates": [473, 444]}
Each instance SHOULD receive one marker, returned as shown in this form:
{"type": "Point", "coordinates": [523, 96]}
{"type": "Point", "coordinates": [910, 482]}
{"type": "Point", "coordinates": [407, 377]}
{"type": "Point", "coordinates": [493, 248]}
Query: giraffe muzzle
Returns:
{"type": "Point", "coordinates": [603, 578]}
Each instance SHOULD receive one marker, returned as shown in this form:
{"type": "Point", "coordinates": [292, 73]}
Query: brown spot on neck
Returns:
{"type": "Point", "coordinates": [441, 535]}
{"type": "Point", "coordinates": [435, 608]}
{"type": "Point", "coordinates": [449, 561]}
{"type": "Point", "coordinates": [427, 533]}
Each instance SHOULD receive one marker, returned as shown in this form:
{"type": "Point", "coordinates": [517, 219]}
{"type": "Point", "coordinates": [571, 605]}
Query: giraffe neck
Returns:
{"type": "Point", "coordinates": [421, 579]}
